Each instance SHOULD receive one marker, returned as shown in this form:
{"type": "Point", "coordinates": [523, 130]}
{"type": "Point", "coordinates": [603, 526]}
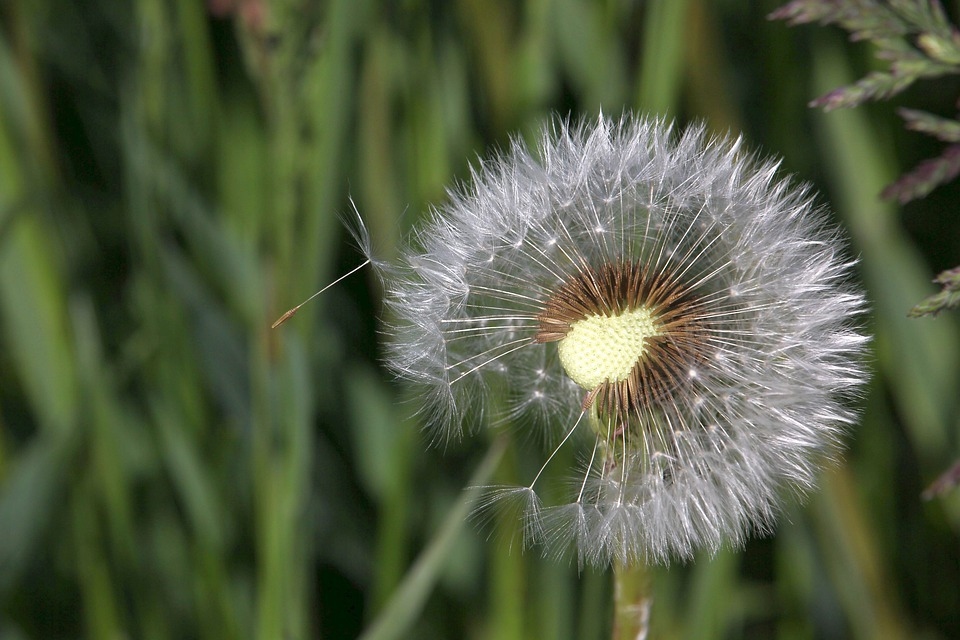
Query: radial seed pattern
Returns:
{"type": "Point", "coordinates": [736, 350]}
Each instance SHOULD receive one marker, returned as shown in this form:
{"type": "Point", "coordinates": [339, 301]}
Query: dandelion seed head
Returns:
{"type": "Point", "coordinates": [660, 301]}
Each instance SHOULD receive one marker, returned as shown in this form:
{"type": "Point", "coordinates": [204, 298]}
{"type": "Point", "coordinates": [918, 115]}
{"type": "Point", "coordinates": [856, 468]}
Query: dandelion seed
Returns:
{"type": "Point", "coordinates": [663, 295]}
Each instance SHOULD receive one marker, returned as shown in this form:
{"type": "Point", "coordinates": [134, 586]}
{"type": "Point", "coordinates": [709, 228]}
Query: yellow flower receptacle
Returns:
{"type": "Point", "coordinates": [602, 348]}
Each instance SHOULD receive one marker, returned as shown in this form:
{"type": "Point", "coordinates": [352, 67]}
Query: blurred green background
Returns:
{"type": "Point", "coordinates": [171, 176]}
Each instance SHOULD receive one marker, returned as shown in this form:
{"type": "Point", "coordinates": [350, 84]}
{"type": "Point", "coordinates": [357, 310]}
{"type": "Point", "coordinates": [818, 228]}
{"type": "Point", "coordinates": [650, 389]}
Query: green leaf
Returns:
{"type": "Point", "coordinates": [403, 608]}
{"type": "Point", "coordinates": [29, 499]}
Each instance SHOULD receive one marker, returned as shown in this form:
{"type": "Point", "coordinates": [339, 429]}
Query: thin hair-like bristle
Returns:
{"type": "Point", "coordinates": [361, 236]}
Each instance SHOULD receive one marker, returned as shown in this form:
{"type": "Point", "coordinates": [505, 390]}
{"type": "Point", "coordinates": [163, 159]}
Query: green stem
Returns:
{"type": "Point", "coordinates": [632, 597]}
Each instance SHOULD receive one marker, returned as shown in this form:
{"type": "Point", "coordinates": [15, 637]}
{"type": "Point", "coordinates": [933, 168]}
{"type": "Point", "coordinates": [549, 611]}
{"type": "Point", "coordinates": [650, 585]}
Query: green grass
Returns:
{"type": "Point", "coordinates": [170, 183]}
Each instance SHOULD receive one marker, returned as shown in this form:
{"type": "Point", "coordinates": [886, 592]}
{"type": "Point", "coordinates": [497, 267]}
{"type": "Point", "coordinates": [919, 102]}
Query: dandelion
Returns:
{"type": "Point", "coordinates": [663, 302]}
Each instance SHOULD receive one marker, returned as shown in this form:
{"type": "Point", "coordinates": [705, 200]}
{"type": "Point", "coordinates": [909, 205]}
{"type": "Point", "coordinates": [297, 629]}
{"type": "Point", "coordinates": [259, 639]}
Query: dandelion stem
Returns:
{"type": "Point", "coordinates": [633, 598]}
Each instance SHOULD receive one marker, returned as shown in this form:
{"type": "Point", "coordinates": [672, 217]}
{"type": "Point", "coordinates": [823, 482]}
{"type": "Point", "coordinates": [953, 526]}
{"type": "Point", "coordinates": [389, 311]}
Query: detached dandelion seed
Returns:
{"type": "Point", "coordinates": [664, 295]}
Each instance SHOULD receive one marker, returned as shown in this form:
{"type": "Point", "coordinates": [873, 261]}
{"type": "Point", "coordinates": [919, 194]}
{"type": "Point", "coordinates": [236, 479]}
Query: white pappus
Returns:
{"type": "Point", "coordinates": [663, 294]}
